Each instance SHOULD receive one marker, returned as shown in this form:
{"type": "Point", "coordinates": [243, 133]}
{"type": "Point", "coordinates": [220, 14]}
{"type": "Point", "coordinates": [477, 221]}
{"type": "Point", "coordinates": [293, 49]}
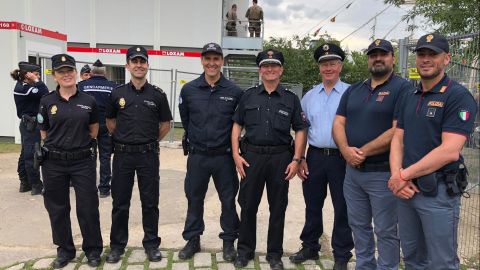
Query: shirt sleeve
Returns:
{"type": "Point", "coordinates": [94, 113]}
{"type": "Point", "coordinates": [299, 120]}
{"type": "Point", "coordinates": [42, 117]}
{"type": "Point", "coordinates": [111, 106]}
{"type": "Point", "coordinates": [164, 112]}
{"type": "Point", "coordinates": [42, 89]}
{"type": "Point", "coordinates": [459, 115]}
{"type": "Point", "coordinates": [239, 115]}
{"type": "Point", "coordinates": [183, 108]}
{"type": "Point", "coordinates": [342, 106]}
{"type": "Point", "coordinates": [405, 88]}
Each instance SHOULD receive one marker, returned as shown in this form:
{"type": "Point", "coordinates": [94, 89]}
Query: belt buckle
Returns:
{"type": "Point", "coordinates": [69, 155]}
{"type": "Point", "coordinates": [327, 151]}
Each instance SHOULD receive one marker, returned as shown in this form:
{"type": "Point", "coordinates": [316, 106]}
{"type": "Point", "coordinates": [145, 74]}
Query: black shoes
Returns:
{"type": "Point", "coordinates": [153, 254]}
{"type": "Point", "coordinates": [37, 189]}
{"type": "Point", "coordinates": [304, 254]}
{"type": "Point", "coordinates": [104, 194]}
{"type": "Point", "coordinates": [340, 265]}
{"type": "Point", "coordinates": [94, 261]}
{"type": "Point", "coordinates": [192, 247]}
{"type": "Point", "coordinates": [24, 187]}
{"type": "Point", "coordinates": [61, 261]}
{"type": "Point", "coordinates": [241, 262]}
{"type": "Point", "coordinates": [275, 263]}
{"type": "Point", "coordinates": [114, 256]}
{"type": "Point", "coordinates": [229, 252]}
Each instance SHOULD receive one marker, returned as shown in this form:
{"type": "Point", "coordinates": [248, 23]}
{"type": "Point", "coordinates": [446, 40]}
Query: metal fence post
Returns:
{"type": "Point", "coordinates": [172, 124]}
{"type": "Point", "coordinates": [403, 57]}
{"type": "Point", "coordinates": [174, 100]}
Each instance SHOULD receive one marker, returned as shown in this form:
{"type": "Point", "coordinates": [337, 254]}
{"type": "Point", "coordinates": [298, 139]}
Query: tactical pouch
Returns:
{"type": "Point", "coordinates": [185, 144]}
{"type": "Point", "coordinates": [462, 179]}
{"type": "Point", "coordinates": [39, 155]}
{"type": "Point", "coordinates": [30, 122]}
{"type": "Point", "coordinates": [428, 184]}
{"type": "Point", "coordinates": [93, 148]}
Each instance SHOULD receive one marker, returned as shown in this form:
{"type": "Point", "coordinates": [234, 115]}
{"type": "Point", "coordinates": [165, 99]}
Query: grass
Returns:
{"type": "Point", "coordinates": [7, 145]}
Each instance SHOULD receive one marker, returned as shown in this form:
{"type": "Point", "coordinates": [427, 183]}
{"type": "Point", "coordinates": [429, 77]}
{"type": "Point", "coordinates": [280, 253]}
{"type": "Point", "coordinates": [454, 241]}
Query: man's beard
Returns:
{"type": "Point", "coordinates": [379, 71]}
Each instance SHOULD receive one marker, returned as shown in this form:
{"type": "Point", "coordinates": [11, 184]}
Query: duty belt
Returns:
{"type": "Point", "coordinates": [382, 166]}
{"type": "Point", "coordinates": [136, 148]}
{"type": "Point", "coordinates": [226, 150]}
{"type": "Point", "coordinates": [274, 149]}
{"type": "Point", "coordinates": [65, 155]}
{"type": "Point", "coordinates": [326, 151]}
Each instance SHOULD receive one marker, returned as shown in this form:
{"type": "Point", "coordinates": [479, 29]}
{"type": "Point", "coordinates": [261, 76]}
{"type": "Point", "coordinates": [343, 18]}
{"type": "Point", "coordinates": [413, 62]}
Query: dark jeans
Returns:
{"type": "Point", "coordinates": [26, 173]}
{"type": "Point", "coordinates": [104, 155]}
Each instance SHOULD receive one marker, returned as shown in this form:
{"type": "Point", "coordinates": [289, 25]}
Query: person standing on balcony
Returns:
{"type": "Point", "coordinates": [232, 19]}
{"type": "Point", "coordinates": [255, 18]}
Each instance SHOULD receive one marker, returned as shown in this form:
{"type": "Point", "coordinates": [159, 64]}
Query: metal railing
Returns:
{"type": "Point", "coordinates": [241, 29]}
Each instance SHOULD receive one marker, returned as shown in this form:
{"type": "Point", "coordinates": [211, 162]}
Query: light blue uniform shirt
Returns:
{"type": "Point", "coordinates": [320, 110]}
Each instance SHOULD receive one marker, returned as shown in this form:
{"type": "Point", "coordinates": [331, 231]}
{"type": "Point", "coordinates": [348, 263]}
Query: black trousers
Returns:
{"type": "Point", "coordinates": [269, 170]}
{"type": "Point", "coordinates": [57, 175]}
{"type": "Point", "coordinates": [104, 155]}
{"type": "Point", "coordinates": [199, 170]}
{"type": "Point", "coordinates": [125, 165]}
{"type": "Point", "coordinates": [26, 173]}
{"type": "Point", "coordinates": [326, 170]}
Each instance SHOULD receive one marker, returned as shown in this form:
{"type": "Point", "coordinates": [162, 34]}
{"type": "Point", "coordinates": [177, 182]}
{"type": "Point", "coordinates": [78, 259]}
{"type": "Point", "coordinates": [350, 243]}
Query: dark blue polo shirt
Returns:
{"type": "Point", "coordinates": [268, 117]}
{"type": "Point", "coordinates": [67, 122]}
{"type": "Point", "coordinates": [100, 88]}
{"type": "Point", "coordinates": [207, 111]}
{"type": "Point", "coordinates": [27, 97]}
{"type": "Point", "coordinates": [448, 107]}
{"type": "Point", "coordinates": [370, 112]}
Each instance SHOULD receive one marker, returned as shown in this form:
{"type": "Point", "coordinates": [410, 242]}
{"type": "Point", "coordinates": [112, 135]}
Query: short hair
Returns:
{"type": "Point", "coordinates": [255, 1]}
{"type": "Point", "coordinates": [234, 5]}
{"type": "Point", "coordinates": [99, 70]}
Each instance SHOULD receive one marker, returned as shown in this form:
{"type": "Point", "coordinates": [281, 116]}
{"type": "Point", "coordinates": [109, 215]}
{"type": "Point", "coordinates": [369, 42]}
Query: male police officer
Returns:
{"type": "Point", "coordinates": [85, 72]}
{"type": "Point", "coordinates": [324, 164]}
{"type": "Point", "coordinates": [362, 130]}
{"type": "Point", "coordinates": [428, 171]}
{"type": "Point", "coordinates": [254, 15]}
{"type": "Point", "coordinates": [206, 107]}
{"type": "Point", "coordinates": [267, 111]}
{"type": "Point", "coordinates": [138, 116]}
{"type": "Point", "coordinates": [100, 88]}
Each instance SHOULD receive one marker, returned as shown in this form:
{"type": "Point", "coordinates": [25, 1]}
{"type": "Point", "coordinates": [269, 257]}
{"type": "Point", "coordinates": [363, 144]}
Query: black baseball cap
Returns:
{"type": "Point", "coordinates": [28, 67]}
{"type": "Point", "coordinates": [270, 56]}
{"type": "Point", "coordinates": [380, 44]}
{"type": "Point", "coordinates": [212, 47]}
{"type": "Point", "coordinates": [137, 51]}
{"type": "Point", "coordinates": [62, 60]}
{"type": "Point", "coordinates": [434, 42]}
{"type": "Point", "coordinates": [85, 69]}
{"type": "Point", "coordinates": [328, 51]}
{"type": "Point", "coordinates": [98, 63]}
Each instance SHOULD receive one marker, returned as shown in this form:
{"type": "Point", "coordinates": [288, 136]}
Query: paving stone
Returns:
{"type": "Point", "coordinates": [43, 263]}
{"type": "Point", "coordinates": [85, 267]}
{"type": "Point", "coordinates": [262, 259]}
{"type": "Point", "coordinates": [225, 266]}
{"type": "Point", "coordinates": [351, 266]}
{"type": "Point", "coordinates": [219, 257]}
{"type": "Point", "coordinates": [112, 266]}
{"type": "Point", "coordinates": [135, 267]}
{"type": "Point", "coordinates": [264, 266]}
{"type": "Point", "coordinates": [16, 267]}
{"type": "Point", "coordinates": [161, 264]}
{"type": "Point", "coordinates": [311, 267]}
{"type": "Point", "coordinates": [180, 266]}
{"type": "Point", "coordinates": [137, 256]}
{"type": "Point", "coordinates": [327, 264]}
{"type": "Point", "coordinates": [175, 256]}
{"type": "Point", "coordinates": [288, 264]}
{"type": "Point", "coordinates": [309, 262]}
{"type": "Point", "coordinates": [202, 259]}
{"type": "Point", "coordinates": [70, 266]}
{"type": "Point", "coordinates": [251, 264]}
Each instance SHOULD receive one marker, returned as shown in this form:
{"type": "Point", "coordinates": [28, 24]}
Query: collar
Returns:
{"type": "Point", "coordinates": [221, 82]}
{"type": "Point", "coordinates": [132, 87]}
{"type": "Point", "coordinates": [368, 82]}
{"type": "Point", "coordinates": [335, 88]}
{"type": "Point", "coordinates": [440, 87]}
{"type": "Point", "coordinates": [98, 77]}
{"type": "Point", "coordinates": [57, 93]}
{"type": "Point", "coordinates": [279, 91]}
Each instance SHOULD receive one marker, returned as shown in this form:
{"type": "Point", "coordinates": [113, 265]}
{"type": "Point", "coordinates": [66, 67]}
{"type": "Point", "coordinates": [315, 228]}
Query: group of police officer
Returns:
{"type": "Point", "coordinates": [388, 152]}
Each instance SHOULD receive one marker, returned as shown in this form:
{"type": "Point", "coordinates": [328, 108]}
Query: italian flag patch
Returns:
{"type": "Point", "coordinates": [464, 115]}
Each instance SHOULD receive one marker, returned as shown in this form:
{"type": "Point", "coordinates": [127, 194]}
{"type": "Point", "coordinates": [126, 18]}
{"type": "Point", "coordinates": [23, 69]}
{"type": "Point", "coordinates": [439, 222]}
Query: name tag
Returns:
{"type": "Point", "coordinates": [226, 98]}
{"type": "Point", "coordinates": [384, 93]}
{"type": "Point", "coordinates": [283, 112]}
{"type": "Point", "coordinates": [435, 104]}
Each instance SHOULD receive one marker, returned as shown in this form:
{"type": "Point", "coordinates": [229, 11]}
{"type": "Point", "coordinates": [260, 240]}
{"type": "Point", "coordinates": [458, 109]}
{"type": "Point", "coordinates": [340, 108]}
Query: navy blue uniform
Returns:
{"type": "Point", "coordinates": [267, 119]}
{"type": "Point", "coordinates": [206, 113]}
{"type": "Point", "coordinates": [27, 99]}
{"type": "Point", "coordinates": [70, 159]}
{"type": "Point", "coordinates": [138, 113]}
{"type": "Point", "coordinates": [100, 88]}
{"type": "Point", "coordinates": [428, 225]}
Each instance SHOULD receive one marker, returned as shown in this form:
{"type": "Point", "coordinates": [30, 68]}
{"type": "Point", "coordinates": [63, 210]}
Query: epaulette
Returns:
{"type": "Point", "coordinates": [50, 93]}
{"type": "Point", "coordinates": [158, 89]}
{"type": "Point", "coordinates": [253, 87]}
{"type": "Point", "coordinates": [120, 85]}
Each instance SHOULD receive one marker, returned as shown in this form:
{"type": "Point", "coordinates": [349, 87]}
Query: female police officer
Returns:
{"type": "Point", "coordinates": [68, 121]}
{"type": "Point", "coordinates": [27, 93]}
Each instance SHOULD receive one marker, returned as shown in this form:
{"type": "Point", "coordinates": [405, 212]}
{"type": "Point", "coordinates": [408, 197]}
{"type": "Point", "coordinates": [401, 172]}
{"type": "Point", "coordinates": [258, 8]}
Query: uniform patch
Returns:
{"type": "Point", "coordinates": [464, 115]}
{"type": "Point", "coordinates": [226, 98]}
{"type": "Point", "coordinates": [85, 107]}
{"type": "Point", "coordinates": [380, 98]}
{"type": "Point", "coordinates": [384, 93]}
{"type": "Point", "coordinates": [180, 100]}
{"type": "Point", "coordinates": [39, 118]}
{"type": "Point", "coordinates": [35, 90]}
{"type": "Point", "coordinates": [121, 102]}
{"type": "Point", "coordinates": [435, 104]}
{"type": "Point", "coordinates": [431, 112]}
{"type": "Point", "coordinates": [53, 109]}
{"type": "Point", "coordinates": [304, 117]}
{"type": "Point", "coordinates": [283, 112]}
{"type": "Point", "coordinates": [150, 103]}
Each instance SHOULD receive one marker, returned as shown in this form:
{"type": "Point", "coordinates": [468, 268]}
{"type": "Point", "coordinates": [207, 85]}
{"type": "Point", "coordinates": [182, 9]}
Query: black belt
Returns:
{"type": "Point", "coordinates": [226, 150]}
{"type": "Point", "coordinates": [382, 166]}
{"type": "Point", "coordinates": [77, 155]}
{"type": "Point", "coordinates": [274, 149]}
{"type": "Point", "coordinates": [136, 148]}
{"type": "Point", "coordinates": [327, 151]}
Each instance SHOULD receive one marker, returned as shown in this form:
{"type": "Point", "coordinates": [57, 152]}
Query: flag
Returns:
{"type": "Point", "coordinates": [316, 31]}
{"type": "Point", "coordinates": [333, 19]}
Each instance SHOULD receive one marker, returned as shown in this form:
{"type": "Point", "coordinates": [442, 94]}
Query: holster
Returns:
{"type": "Point", "coordinates": [93, 148]}
{"type": "Point", "coordinates": [39, 155]}
{"type": "Point", "coordinates": [30, 122]}
{"type": "Point", "coordinates": [185, 144]}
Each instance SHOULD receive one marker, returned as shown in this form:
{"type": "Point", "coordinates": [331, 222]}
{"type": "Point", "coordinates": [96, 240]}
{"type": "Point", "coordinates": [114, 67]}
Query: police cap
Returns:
{"type": "Point", "coordinates": [62, 60]}
{"type": "Point", "coordinates": [137, 51]}
{"type": "Point", "coordinates": [435, 42]}
{"type": "Point", "coordinates": [269, 56]}
{"type": "Point", "coordinates": [98, 63]}
{"type": "Point", "coordinates": [28, 67]}
{"type": "Point", "coordinates": [329, 51]}
{"type": "Point", "coordinates": [380, 44]}
{"type": "Point", "coordinates": [85, 69]}
{"type": "Point", "coordinates": [212, 47]}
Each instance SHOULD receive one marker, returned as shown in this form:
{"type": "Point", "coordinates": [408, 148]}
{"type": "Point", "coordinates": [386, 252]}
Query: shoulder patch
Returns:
{"type": "Point", "coordinates": [158, 89]}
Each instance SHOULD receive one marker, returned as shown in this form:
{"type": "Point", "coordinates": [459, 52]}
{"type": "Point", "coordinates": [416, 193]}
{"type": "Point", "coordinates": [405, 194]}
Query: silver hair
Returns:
{"type": "Point", "coordinates": [99, 70]}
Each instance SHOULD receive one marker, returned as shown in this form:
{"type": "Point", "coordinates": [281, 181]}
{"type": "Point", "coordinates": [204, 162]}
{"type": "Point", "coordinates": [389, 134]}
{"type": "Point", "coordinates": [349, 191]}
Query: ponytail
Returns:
{"type": "Point", "coordinates": [18, 75]}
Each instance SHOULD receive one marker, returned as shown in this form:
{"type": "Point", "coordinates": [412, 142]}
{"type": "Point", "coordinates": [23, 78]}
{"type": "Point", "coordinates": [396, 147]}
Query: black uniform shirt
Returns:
{"type": "Point", "coordinates": [448, 107]}
{"type": "Point", "coordinates": [100, 88]}
{"type": "Point", "coordinates": [268, 117]}
{"type": "Point", "coordinates": [207, 111]}
{"type": "Point", "coordinates": [67, 122]}
{"type": "Point", "coordinates": [27, 97]}
{"type": "Point", "coordinates": [370, 112]}
{"type": "Point", "coordinates": [138, 113]}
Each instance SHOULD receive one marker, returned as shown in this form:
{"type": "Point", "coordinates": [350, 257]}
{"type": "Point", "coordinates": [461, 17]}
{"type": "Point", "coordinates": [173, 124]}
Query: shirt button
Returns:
{"type": "Point", "coordinates": [136, 106]}
{"type": "Point", "coordinates": [266, 121]}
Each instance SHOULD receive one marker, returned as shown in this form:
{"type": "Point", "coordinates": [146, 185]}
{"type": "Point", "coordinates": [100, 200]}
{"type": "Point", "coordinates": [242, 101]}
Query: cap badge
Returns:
{"type": "Point", "coordinates": [138, 49]}
{"type": "Point", "coordinates": [270, 54]}
{"type": "Point", "coordinates": [121, 102]}
{"type": "Point", "coordinates": [326, 47]}
{"type": "Point", "coordinates": [64, 59]}
{"type": "Point", "coordinates": [429, 38]}
{"type": "Point", "coordinates": [211, 46]}
{"type": "Point", "coordinates": [377, 42]}
{"type": "Point", "coordinates": [53, 110]}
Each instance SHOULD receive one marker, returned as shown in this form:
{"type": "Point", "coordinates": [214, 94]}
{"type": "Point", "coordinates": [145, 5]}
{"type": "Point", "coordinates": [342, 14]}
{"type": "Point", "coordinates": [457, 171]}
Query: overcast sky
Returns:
{"type": "Point", "coordinates": [284, 18]}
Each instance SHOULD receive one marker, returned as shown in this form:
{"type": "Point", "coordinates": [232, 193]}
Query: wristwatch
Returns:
{"type": "Point", "coordinates": [298, 160]}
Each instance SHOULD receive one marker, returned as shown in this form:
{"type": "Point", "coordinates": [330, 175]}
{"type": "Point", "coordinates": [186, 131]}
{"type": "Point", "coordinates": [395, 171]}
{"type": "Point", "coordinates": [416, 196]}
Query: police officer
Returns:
{"type": "Point", "coordinates": [324, 165]}
{"type": "Point", "coordinates": [206, 107]}
{"type": "Point", "coordinates": [427, 167]}
{"type": "Point", "coordinates": [362, 130]}
{"type": "Point", "coordinates": [254, 15]}
{"type": "Point", "coordinates": [267, 111]}
{"type": "Point", "coordinates": [85, 72]}
{"type": "Point", "coordinates": [138, 116]}
{"type": "Point", "coordinates": [27, 93]}
{"type": "Point", "coordinates": [100, 88]}
{"type": "Point", "coordinates": [68, 121]}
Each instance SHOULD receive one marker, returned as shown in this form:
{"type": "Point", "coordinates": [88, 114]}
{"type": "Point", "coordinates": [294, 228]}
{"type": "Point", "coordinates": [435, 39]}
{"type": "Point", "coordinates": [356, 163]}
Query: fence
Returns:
{"type": "Point", "coordinates": [464, 68]}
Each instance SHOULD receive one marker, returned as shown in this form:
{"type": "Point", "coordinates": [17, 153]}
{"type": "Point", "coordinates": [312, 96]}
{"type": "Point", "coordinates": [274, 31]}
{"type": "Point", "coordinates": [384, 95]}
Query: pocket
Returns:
{"type": "Point", "coordinates": [283, 117]}
{"type": "Point", "coordinates": [252, 114]}
{"type": "Point", "coordinates": [226, 105]}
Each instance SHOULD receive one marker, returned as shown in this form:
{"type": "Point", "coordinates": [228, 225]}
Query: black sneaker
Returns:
{"type": "Point", "coordinates": [37, 189]}
{"type": "Point", "coordinates": [24, 187]}
{"type": "Point", "coordinates": [304, 254]}
{"type": "Point", "coordinates": [340, 265]}
{"type": "Point", "coordinates": [192, 247]}
{"type": "Point", "coordinates": [241, 262]}
{"type": "Point", "coordinates": [229, 252]}
{"type": "Point", "coordinates": [114, 256]}
{"type": "Point", "coordinates": [61, 261]}
{"type": "Point", "coordinates": [153, 254]}
{"type": "Point", "coordinates": [104, 194]}
{"type": "Point", "coordinates": [275, 263]}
